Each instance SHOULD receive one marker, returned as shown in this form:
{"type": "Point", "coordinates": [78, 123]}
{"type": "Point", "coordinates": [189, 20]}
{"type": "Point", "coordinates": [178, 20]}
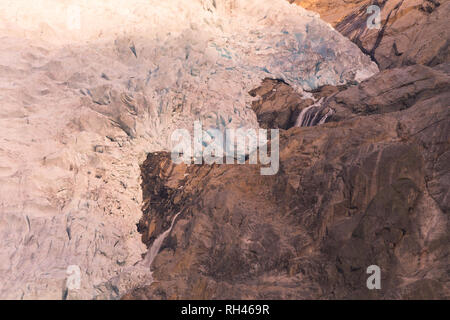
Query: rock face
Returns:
{"type": "Point", "coordinates": [411, 31]}
{"type": "Point", "coordinates": [368, 189]}
{"type": "Point", "coordinates": [278, 104]}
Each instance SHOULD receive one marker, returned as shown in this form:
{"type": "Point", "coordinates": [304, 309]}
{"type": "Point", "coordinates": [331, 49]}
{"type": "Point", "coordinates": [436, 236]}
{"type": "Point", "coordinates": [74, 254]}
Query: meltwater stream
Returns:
{"type": "Point", "coordinates": [313, 115]}
{"type": "Point", "coordinates": [154, 249]}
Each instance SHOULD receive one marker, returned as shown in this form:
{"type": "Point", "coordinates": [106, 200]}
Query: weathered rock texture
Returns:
{"type": "Point", "coordinates": [412, 31]}
{"type": "Point", "coordinates": [367, 188]}
{"type": "Point", "coordinates": [278, 104]}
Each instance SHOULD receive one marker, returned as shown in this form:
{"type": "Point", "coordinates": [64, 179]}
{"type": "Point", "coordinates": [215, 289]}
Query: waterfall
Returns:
{"type": "Point", "coordinates": [301, 117]}
{"type": "Point", "coordinates": [312, 115]}
{"type": "Point", "coordinates": [153, 251]}
{"type": "Point", "coordinates": [325, 117]}
{"type": "Point", "coordinates": [308, 114]}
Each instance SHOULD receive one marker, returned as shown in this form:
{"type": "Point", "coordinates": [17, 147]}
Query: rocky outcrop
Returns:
{"type": "Point", "coordinates": [370, 188]}
{"type": "Point", "coordinates": [411, 32]}
{"type": "Point", "coordinates": [391, 90]}
{"type": "Point", "coordinates": [278, 104]}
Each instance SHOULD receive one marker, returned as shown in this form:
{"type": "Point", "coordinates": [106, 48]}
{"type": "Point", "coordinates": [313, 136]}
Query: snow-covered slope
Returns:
{"type": "Point", "coordinates": [87, 88]}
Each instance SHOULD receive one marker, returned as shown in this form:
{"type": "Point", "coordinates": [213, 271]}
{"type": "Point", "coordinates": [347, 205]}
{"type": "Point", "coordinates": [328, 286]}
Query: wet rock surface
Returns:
{"type": "Point", "coordinates": [278, 105]}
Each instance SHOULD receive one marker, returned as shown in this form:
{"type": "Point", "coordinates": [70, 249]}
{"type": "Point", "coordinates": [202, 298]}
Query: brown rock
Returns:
{"type": "Point", "coordinates": [412, 32]}
{"type": "Point", "coordinates": [279, 105]}
{"type": "Point", "coordinates": [391, 90]}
